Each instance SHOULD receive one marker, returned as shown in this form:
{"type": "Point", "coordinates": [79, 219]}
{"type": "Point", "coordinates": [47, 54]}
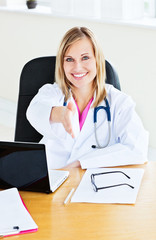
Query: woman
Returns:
{"type": "Point", "coordinates": [63, 112]}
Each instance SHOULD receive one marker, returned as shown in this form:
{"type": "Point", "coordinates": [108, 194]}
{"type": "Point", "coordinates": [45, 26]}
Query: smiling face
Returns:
{"type": "Point", "coordinates": [80, 64]}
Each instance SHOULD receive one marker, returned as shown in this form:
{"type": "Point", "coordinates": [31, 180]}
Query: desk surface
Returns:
{"type": "Point", "coordinates": [93, 221]}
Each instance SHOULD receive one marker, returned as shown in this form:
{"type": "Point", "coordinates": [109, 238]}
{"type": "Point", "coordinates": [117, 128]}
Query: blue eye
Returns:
{"type": "Point", "coordinates": [85, 58]}
{"type": "Point", "coordinates": [69, 59]}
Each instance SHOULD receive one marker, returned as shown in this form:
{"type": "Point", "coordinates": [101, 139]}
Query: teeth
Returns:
{"type": "Point", "coordinates": [79, 75]}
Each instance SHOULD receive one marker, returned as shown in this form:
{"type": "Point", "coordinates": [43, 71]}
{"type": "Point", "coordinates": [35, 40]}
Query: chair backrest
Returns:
{"type": "Point", "coordinates": [35, 74]}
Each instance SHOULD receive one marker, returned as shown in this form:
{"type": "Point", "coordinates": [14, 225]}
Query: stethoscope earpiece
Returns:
{"type": "Point", "coordinates": [93, 146]}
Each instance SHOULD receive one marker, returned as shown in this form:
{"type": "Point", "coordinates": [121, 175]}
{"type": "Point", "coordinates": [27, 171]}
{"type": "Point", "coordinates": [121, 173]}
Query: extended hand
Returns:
{"type": "Point", "coordinates": [68, 113]}
{"type": "Point", "coordinates": [64, 115]}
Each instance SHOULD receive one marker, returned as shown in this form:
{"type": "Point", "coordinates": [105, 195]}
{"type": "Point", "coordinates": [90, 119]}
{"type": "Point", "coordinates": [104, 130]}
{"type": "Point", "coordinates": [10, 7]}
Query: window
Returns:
{"type": "Point", "coordinates": [150, 8]}
{"type": "Point", "coordinates": [44, 2]}
{"type": "Point", "coordinates": [112, 9]}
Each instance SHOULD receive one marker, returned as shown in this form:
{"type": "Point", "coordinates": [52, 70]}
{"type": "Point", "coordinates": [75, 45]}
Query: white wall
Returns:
{"type": "Point", "coordinates": [132, 51]}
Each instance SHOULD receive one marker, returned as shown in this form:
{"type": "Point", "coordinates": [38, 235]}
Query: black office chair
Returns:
{"type": "Point", "coordinates": [35, 74]}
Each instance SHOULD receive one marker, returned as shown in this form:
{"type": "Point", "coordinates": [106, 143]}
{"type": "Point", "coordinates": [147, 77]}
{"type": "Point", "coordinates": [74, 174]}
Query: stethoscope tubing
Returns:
{"type": "Point", "coordinates": [96, 138]}
{"type": "Point", "coordinates": [107, 109]}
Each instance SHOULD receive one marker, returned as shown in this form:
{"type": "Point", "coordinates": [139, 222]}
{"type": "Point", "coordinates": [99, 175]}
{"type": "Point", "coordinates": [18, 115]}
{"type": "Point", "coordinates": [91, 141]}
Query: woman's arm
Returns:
{"type": "Point", "coordinates": [45, 110]}
{"type": "Point", "coordinates": [39, 110]}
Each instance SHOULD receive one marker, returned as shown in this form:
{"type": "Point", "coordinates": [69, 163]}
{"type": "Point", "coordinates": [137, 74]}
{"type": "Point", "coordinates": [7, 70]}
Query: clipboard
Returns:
{"type": "Point", "coordinates": [14, 218]}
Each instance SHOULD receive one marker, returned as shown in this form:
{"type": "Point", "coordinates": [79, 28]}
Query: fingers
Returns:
{"type": "Point", "coordinates": [68, 128]}
{"type": "Point", "coordinates": [71, 107]}
{"type": "Point", "coordinates": [71, 133]}
{"type": "Point", "coordinates": [70, 111]}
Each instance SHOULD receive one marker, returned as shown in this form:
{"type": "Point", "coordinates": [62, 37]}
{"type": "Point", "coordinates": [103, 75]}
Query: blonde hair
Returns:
{"type": "Point", "coordinates": [72, 36]}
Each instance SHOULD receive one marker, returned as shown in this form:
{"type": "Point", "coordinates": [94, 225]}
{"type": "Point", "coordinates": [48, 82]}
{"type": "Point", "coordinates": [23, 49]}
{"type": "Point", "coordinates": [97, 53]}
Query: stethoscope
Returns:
{"type": "Point", "coordinates": [96, 109]}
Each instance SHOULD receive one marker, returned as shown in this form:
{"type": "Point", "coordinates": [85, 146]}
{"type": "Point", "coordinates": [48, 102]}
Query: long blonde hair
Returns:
{"type": "Point", "coordinates": [72, 36]}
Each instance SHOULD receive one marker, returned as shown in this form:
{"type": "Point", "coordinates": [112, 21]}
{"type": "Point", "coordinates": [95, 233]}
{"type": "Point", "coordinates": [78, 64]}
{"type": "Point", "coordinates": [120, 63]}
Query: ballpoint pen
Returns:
{"type": "Point", "coordinates": [10, 231]}
{"type": "Point", "coordinates": [69, 195]}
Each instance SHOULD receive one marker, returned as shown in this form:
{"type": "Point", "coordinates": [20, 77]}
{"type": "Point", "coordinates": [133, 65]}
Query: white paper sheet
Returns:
{"type": "Point", "coordinates": [120, 194]}
{"type": "Point", "coordinates": [13, 213]}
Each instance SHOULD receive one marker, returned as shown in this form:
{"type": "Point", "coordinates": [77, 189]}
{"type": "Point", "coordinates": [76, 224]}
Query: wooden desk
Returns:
{"type": "Point", "coordinates": [57, 221]}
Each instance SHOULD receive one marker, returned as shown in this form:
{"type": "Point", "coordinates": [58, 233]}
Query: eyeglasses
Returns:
{"type": "Point", "coordinates": [95, 188]}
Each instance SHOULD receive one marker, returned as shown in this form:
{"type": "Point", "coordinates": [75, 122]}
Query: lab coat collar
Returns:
{"type": "Point", "coordinates": [72, 98]}
{"type": "Point", "coordinates": [101, 104]}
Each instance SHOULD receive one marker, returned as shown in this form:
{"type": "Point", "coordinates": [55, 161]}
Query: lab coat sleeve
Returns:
{"type": "Point", "coordinates": [38, 112]}
{"type": "Point", "coordinates": [131, 141]}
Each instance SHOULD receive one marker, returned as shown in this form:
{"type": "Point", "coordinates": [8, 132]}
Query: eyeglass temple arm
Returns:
{"type": "Point", "coordinates": [96, 174]}
{"type": "Point", "coordinates": [117, 185]}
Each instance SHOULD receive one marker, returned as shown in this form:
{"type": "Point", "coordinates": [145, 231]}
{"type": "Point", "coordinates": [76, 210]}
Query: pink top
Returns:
{"type": "Point", "coordinates": [83, 115]}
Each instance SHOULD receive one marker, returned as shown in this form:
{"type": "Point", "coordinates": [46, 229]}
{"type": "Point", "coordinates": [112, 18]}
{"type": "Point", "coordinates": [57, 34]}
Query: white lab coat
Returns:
{"type": "Point", "coordinates": [128, 143]}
